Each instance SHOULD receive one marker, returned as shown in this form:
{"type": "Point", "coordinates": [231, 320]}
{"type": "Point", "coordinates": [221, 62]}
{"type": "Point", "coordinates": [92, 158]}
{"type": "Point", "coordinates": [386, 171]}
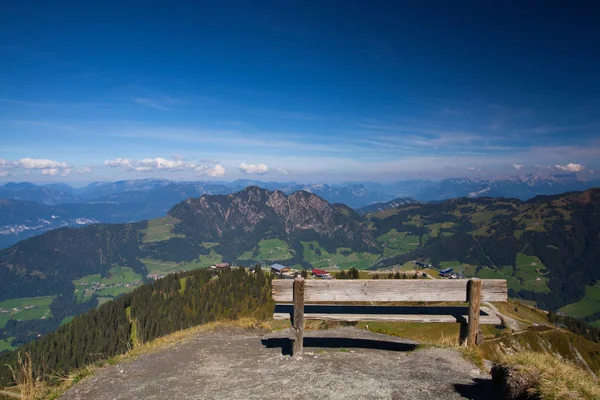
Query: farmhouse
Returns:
{"type": "Point", "coordinates": [220, 266]}
{"type": "Point", "coordinates": [319, 273]}
{"type": "Point", "coordinates": [446, 272]}
{"type": "Point", "coordinates": [279, 269]}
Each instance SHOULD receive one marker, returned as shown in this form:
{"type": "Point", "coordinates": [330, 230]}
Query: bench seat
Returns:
{"type": "Point", "coordinates": [352, 313]}
{"type": "Point", "coordinates": [473, 291]}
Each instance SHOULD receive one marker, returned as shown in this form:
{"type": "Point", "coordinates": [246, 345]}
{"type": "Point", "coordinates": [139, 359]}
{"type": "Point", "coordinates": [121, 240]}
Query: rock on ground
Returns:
{"type": "Point", "coordinates": [343, 363]}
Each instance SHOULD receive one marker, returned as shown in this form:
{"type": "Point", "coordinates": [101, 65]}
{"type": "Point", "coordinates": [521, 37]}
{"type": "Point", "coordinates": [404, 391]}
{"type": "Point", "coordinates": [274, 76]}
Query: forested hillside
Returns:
{"type": "Point", "coordinates": [546, 248]}
{"type": "Point", "coordinates": [178, 301]}
{"type": "Point", "coordinates": [77, 269]}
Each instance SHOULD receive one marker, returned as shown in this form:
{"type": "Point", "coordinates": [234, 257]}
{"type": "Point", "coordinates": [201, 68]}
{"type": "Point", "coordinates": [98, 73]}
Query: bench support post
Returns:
{"type": "Point", "coordinates": [298, 316]}
{"type": "Point", "coordinates": [474, 297]}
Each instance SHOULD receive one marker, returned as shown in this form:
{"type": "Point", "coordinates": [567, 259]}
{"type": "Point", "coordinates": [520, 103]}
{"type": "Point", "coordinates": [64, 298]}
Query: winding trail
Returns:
{"type": "Point", "coordinates": [512, 323]}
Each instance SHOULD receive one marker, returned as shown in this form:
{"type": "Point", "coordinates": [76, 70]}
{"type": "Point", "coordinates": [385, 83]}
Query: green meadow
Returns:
{"type": "Point", "coordinates": [41, 309]}
{"type": "Point", "coordinates": [343, 258]}
{"type": "Point", "coordinates": [118, 277]}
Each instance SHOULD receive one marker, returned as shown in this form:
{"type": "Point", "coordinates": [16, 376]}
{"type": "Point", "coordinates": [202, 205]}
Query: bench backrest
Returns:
{"type": "Point", "coordinates": [388, 290]}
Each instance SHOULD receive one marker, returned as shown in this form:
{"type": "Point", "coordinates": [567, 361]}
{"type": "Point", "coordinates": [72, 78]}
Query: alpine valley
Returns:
{"type": "Point", "coordinates": [547, 248]}
{"type": "Point", "coordinates": [28, 209]}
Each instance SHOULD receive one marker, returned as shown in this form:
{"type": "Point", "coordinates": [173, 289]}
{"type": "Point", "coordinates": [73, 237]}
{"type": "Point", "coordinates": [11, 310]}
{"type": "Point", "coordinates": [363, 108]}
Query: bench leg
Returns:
{"type": "Point", "coordinates": [298, 316]}
{"type": "Point", "coordinates": [474, 295]}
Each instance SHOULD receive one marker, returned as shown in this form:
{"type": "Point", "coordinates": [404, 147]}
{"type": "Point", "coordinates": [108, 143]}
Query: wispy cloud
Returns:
{"type": "Point", "coordinates": [150, 103]}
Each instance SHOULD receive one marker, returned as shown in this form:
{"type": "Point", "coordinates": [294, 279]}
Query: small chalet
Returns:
{"type": "Point", "coordinates": [319, 273]}
{"type": "Point", "coordinates": [221, 265]}
{"type": "Point", "coordinates": [446, 273]}
{"type": "Point", "coordinates": [279, 269]}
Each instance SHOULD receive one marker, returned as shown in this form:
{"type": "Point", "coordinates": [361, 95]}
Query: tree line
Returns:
{"type": "Point", "coordinates": [176, 302]}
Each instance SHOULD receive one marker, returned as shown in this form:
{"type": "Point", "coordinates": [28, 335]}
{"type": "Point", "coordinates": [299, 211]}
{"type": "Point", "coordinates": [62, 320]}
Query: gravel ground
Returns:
{"type": "Point", "coordinates": [342, 363]}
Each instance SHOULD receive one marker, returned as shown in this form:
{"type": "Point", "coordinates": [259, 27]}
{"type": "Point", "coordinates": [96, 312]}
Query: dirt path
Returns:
{"type": "Point", "coordinates": [344, 363]}
{"type": "Point", "coordinates": [510, 322]}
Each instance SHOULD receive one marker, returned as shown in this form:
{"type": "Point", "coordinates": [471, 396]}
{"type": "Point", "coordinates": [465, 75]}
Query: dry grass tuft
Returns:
{"type": "Point", "coordinates": [559, 379]}
{"type": "Point", "coordinates": [29, 387]}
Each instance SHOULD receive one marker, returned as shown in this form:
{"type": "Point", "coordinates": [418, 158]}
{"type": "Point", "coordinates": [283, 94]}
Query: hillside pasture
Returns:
{"type": "Point", "coordinates": [588, 305]}
{"type": "Point", "coordinates": [160, 229]}
{"type": "Point", "coordinates": [41, 309]}
{"type": "Point", "coordinates": [160, 267]}
{"type": "Point", "coordinates": [488, 273]}
{"type": "Point", "coordinates": [395, 243]}
{"type": "Point", "coordinates": [6, 344]}
{"type": "Point", "coordinates": [269, 250]}
{"type": "Point", "coordinates": [343, 258]}
{"type": "Point", "coordinates": [118, 281]}
{"type": "Point", "coordinates": [527, 272]}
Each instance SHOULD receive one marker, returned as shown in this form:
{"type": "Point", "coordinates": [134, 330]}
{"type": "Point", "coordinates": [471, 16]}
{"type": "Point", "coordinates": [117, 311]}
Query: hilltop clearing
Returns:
{"type": "Point", "coordinates": [342, 363]}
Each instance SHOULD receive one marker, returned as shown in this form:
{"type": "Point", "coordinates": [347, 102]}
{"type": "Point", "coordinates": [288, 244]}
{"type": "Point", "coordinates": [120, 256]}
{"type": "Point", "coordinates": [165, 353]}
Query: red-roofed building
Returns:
{"type": "Point", "coordinates": [319, 273]}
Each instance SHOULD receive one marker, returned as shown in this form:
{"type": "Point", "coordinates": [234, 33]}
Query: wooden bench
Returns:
{"type": "Point", "coordinates": [473, 291]}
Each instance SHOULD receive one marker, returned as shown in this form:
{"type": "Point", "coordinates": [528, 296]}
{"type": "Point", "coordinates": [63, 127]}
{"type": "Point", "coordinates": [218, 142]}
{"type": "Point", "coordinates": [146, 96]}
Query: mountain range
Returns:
{"type": "Point", "coordinates": [60, 205]}
{"type": "Point", "coordinates": [547, 248]}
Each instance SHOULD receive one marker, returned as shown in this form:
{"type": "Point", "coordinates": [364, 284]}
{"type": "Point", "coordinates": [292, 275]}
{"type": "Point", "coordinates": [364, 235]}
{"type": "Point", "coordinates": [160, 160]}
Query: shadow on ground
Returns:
{"type": "Point", "coordinates": [333, 342]}
{"type": "Point", "coordinates": [480, 389]}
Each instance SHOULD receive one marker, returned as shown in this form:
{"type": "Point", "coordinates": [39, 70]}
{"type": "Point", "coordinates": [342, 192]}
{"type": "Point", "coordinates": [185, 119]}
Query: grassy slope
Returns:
{"type": "Point", "coordinates": [269, 250]}
{"type": "Point", "coordinates": [589, 305]}
{"type": "Point", "coordinates": [160, 229]}
{"type": "Point", "coordinates": [42, 309]}
{"type": "Point", "coordinates": [344, 258]}
{"type": "Point", "coordinates": [117, 275]}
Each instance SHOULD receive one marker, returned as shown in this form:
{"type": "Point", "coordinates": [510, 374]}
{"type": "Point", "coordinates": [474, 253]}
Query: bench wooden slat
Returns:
{"type": "Point", "coordinates": [487, 320]}
{"type": "Point", "coordinates": [389, 314]}
{"type": "Point", "coordinates": [387, 290]}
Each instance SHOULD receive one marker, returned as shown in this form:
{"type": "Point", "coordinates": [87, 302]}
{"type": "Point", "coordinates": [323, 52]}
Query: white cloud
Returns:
{"type": "Point", "coordinates": [84, 170]}
{"type": "Point", "coordinates": [216, 171]}
{"type": "Point", "coordinates": [570, 167]}
{"type": "Point", "coordinates": [283, 171]}
{"type": "Point", "coordinates": [47, 167]}
{"type": "Point", "coordinates": [471, 168]}
{"type": "Point", "coordinates": [151, 164]}
{"type": "Point", "coordinates": [517, 166]}
{"type": "Point", "coordinates": [40, 163]}
{"type": "Point", "coordinates": [162, 164]}
{"type": "Point", "coordinates": [6, 164]}
{"type": "Point", "coordinates": [259, 169]}
{"type": "Point", "coordinates": [50, 171]}
{"type": "Point", "coordinates": [118, 162]}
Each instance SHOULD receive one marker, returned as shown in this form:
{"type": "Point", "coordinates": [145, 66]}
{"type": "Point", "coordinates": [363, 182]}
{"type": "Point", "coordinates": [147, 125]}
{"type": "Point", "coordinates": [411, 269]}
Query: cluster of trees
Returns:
{"type": "Point", "coordinates": [576, 326]}
{"type": "Point", "coordinates": [176, 302]}
{"type": "Point", "coordinates": [352, 273]}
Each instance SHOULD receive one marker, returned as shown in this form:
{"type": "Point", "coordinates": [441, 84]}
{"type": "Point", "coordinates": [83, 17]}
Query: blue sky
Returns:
{"type": "Point", "coordinates": [298, 91]}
